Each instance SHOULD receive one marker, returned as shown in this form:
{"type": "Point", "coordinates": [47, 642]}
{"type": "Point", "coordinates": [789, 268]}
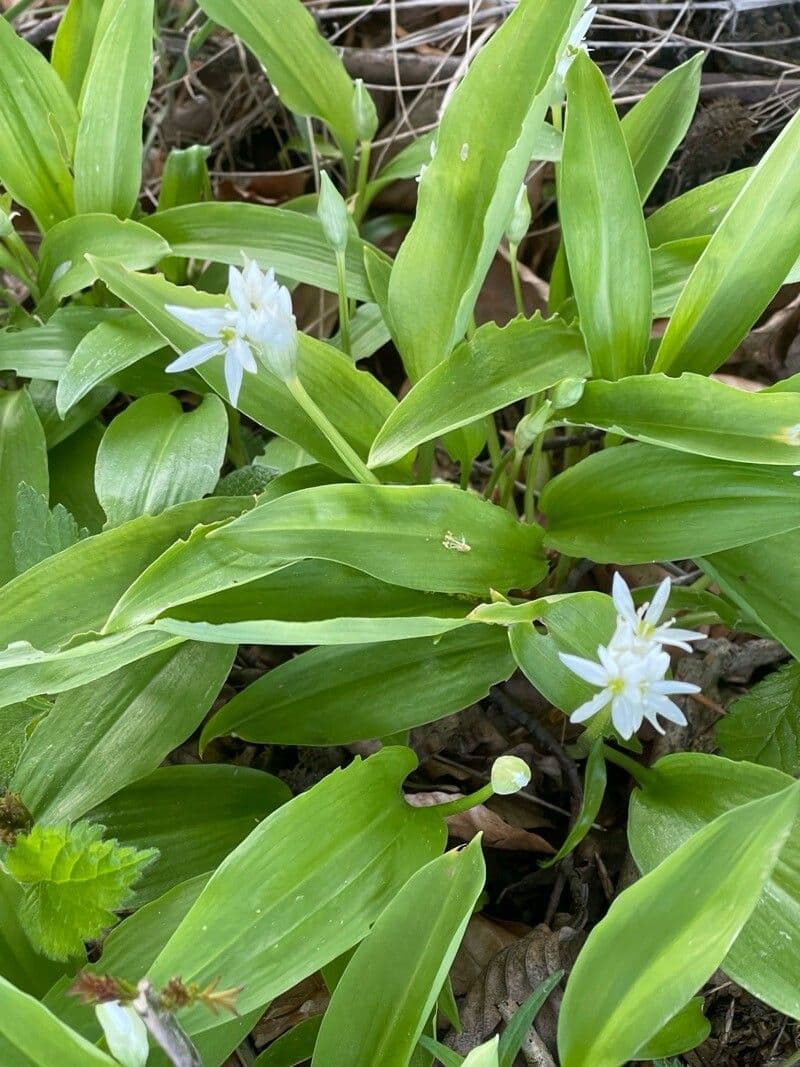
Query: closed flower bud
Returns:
{"type": "Point", "coordinates": [125, 1033]}
{"type": "Point", "coordinates": [509, 775]}
{"type": "Point", "coordinates": [332, 213]}
{"type": "Point", "coordinates": [364, 113]}
{"type": "Point", "coordinates": [520, 217]}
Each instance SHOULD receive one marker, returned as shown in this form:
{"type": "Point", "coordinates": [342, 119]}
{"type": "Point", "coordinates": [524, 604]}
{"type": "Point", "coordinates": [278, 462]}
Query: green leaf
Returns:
{"type": "Point", "coordinates": [515, 1033]}
{"type": "Point", "coordinates": [31, 1037]}
{"type": "Point", "coordinates": [656, 125]}
{"type": "Point", "coordinates": [603, 227]}
{"type": "Point", "coordinates": [485, 1055]}
{"type": "Point", "coordinates": [742, 268]}
{"type": "Point", "coordinates": [63, 267]}
{"type": "Point", "coordinates": [44, 351]}
{"type": "Point", "coordinates": [673, 262]}
{"type": "Point", "coordinates": [101, 353]}
{"type": "Point", "coordinates": [72, 475]}
{"type": "Point", "coordinates": [697, 212]}
{"type": "Point", "coordinates": [639, 503]}
{"type": "Point", "coordinates": [294, 1047]}
{"type": "Point", "coordinates": [337, 695]}
{"type": "Point", "coordinates": [16, 721]}
{"type": "Point", "coordinates": [193, 815]}
{"type": "Point", "coordinates": [659, 943]}
{"type": "Point", "coordinates": [72, 47]}
{"type": "Point", "coordinates": [594, 787]}
{"type": "Point", "coordinates": [695, 414]}
{"type": "Point", "coordinates": [40, 532]}
{"type": "Point", "coordinates": [108, 148]}
{"type": "Point", "coordinates": [354, 827]}
{"type": "Point", "coordinates": [292, 244]}
{"type": "Point", "coordinates": [434, 538]}
{"type": "Point", "coordinates": [383, 1000]}
{"type": "Point", "coordinates": [154, 456]}
{"type": "Point", "coordinates": [496, 367]}
{"type": "Point", "coordinates": [683, 794]}
{"type": "Point", "coordinates": [96, 740]}
{"type": "Point", "coordinates": [763, 726]}
{"type": "Point", "coordinates": [57, 429]}
{"type": "Point", "coordinates": [38, 121]}
{"type": "Point", "coordinates": [683, 1032]}
{"type": "Point", "coordinates": [23, 458]}
{"type": "Point", "coordinates": [19, 963]}
{"type": "Point", "coordinates": [309, 75]}
{"type": "Point", "coordinates": [483, 149]}
{"type": "Point", "coordinates": [74, 881]}
{"type": "Point", "coordinates": [185, 178]}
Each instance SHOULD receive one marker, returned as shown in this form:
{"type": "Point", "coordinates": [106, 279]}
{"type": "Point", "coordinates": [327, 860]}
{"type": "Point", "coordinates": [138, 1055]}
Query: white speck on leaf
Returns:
{"type": "Point", "coordinates": [455, 544]}
{"type": "Point", "coordinates": [464, 152]}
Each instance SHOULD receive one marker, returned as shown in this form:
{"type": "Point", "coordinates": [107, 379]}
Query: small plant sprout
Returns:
{"type": "Point", "coordinates": [125, 1033]}
{"type": "Point", "coordinates": [364, 113]}
{"type": "Point", "coordinates": [515, 231]}
{"type": "Point", "coordinates": [335, 220]}
{"type": "Point", "coordinates": [509, 775]}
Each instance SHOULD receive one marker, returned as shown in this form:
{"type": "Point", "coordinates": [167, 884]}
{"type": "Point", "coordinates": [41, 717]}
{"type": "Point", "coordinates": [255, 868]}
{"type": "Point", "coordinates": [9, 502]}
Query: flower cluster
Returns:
{"type": "Point", "coordinates": [258, 321]}
{"type": "Point", "coordinates": [631, 668]}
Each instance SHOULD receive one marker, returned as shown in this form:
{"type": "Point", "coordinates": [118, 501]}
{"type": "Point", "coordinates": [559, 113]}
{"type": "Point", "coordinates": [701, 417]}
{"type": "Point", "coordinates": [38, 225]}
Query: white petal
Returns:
{"type": "Point", "coordinates": [668, 686]}
{"type": "Point", "coordinates": [623, 601]}
{"type": "Point", "coordinates": [673, 635]}
{"type": "Point", "coordinates": [626, 715]}
{"type": "Point", "coordinates": [236, 290]}
{"type": "Point", "coordinates": [234, 372]}
{"type": "Point", "coordinates": [591, 707]}
{"type": "Point", "coordinates": [659, 602]}
{"type": "Point", "coordinates": [195, 356]}
{"type": "Point", "coordinates": [210, 322]}
{"type": "Point", "coordinates": [586, 669]}
{"type": "Point", "coordinates": [125, 1033]}
{"type": "Point", "coordinates": [243, 354]}
{"type": "Point", "coordinates": [666, 709]}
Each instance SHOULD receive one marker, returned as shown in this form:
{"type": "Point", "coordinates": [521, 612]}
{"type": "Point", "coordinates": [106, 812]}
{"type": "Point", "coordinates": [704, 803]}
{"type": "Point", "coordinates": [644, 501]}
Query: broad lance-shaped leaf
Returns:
{"type": "Point", "coordinates": [432, 538]}
{"type": "Point", "coordinates": [496, 367]}
{"type": "Point", "coordinates": [44, 351]}
{"type": "Point", "coordinates": [697, 212]}
{"type": "Point", "coordinates": [354, 827]}
{"type": "Point", "coordinates": [483, 149]}
{"type": "Point", "coordinates": [659, 943]}
{"type": "Point", "coordinates": [743, 266]}
{"type": "Point", "coordinates": [603, 227]}
{"type": "Point", "coordinates": [72, 46]}
{"type": "Point", "coordinates": [74, 881]}
{"type": "Point", "coordinates": [30, 1036]}
{"type": "Point", "coordinates": [763, 726]}
{"type": "Point", "coordinates": [292, 244]}
{"type": "Point", "coordinates": [638, 503]}
{"type": "Point", "coordinates": [337, 695]}
{"type": "Point", "coordinates": [389, 987]}
{"type": "Point", "coordinates": [153, 456]}
{"type": "Point", "coordinates": [23, 459]}
{"type": "Point", "coordinates": [687, 792]}
{"type": "Point", "coordinates": [694, 414]}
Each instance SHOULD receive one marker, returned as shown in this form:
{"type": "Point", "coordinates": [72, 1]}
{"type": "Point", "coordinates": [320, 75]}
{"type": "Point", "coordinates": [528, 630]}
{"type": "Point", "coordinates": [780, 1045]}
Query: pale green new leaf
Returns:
{"type": "Point", "coordinates": [40, 532]}
{"type": "Point", "coordinates": [483, 149]}
{"type": "Point", "coordinates": [697, 212]}
{"type": "Point", "coordinates": [685, 1031]}
{"type": "Point", "coordinates": [684, 794]}
{"type": "Point", "coordinates": [74, 881]}
{"type": "Point", "coordinates": [763, 726]}
{"type": "Point", "coordinates": [153, 456]}
{"type": "Point", "coordinates": [304, 69]}
{"type": "Point", "coordinates": [744, 265]}
{"type": "Point", "coordinates": [23, 458]}
{"type": "Point", "coordinates": [496, 367]}
{"type": "Point", "coordinates": [44, 351]}
{"type": "Point", "coordinates": [695, 414]}
{"type": "Point", "coordinates": [603, 227]}
{"type": "Point", "coordinates": [389, 988]}
{"type": "Point", "coordinates": [72, 47]}
{"type": "Point", "coordinates": [659, 943]}
{"type": "Point", "coordinates": [108, 149]}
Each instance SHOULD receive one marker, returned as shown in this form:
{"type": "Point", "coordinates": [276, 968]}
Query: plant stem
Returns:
{"type": "Point", "coordinates": [515, 278]}
{"type": "Point", "coordinates": [530, 479]}
{"type": "Point", "coordinates": [344, 307]}
{"type": "Point", "coordinates": [193, 46]}
{"type": "Point", "coordinates": [453, 807]}
{"type": "Point", "coordinates": [506, 496]}
{"type": "Point", "coordinates": [634, 769]}
{"type": "Point", "coordinates": [361, 180]}
{"type": "Point", "coordinates": [425, 462]}
{"type": "Point", "coordinates": [494, 477]}
{"type": "Point", "coordinates": [348, 456]}
{"type": "Point", "coordinates": [493, 440]}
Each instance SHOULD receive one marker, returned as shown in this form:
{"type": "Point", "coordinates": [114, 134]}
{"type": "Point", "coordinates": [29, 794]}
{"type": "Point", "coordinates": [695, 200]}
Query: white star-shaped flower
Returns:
{"type": "Point", "coordinates": [643, 622]}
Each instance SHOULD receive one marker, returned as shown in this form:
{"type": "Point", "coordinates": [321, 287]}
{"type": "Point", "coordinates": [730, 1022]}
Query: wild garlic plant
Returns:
{"type": "Point", "coordinates": [132, 572]}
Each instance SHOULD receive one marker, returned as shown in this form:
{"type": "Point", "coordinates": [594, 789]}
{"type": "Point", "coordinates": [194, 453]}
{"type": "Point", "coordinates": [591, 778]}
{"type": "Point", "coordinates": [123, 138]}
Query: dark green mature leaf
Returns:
{"type": "Point", "coordinates": [337, 695]}
{"type": "Point", "coordinates": [744, 265]}
{"type": "Point", "coordinates": [603, 227]}
{"type": "Point", "coordinates": [494, 368]}
{"type": "Point", "coordinates": [302, 66]}
{"type": "Point", "coordinates": [19, 963]}
{"type": "Point", "coordinates": [686, 792]}
{"type": "Point", "coordinates": [16, 721]}
{"type": "Point", "coordinates": [31, 1037]}
{"type": "Point", "coordinates": [38, 121]}
{"type": "Point", "coordinates": [23, 458]}
{"type": "Point", "coordinates": [389, 988]}
{"type": "Point", "coordinates": [108, 148]}
{"type": "Point", "coordinates": [40, 532]}
{"type": "Point", "coordinates": [294, 1047]}
{"type": "Point", "coordinates": [695, 414]}
{"type": "Point", "coordinates": [638, 503]}
{"type": "Point", "coordinates": [763, 726]}
{"type": "Point", "coordinates": [193, 815]}
{"type": "Point", "coordinates": [594, 787]}
{"type": "Point", "coordinates": [72, 475]}
{"type": "Point", "coordinates": [292, 244]}
{"type": "Point", "coordinates": [483, 149]}
{"type": "Point", "coordinates": [659, 943]}
{"type": "Point", "coordinates": [98, 739]}
{"type": "Point", "coordinates": [354, 827]}
{"type": "Point", "coordinates": [74, 881]}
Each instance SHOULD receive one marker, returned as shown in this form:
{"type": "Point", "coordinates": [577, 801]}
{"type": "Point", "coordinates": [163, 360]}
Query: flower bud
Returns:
{"type": "Point", "coordinates": [125, 1033]}
{"type": "Point", "coordinates": [567, 392]}
{"type": "Point", "coordinates": [364, 113]}
{"type": "Point", "coordinates": [520, 217]}
{"type": "Point", "coordinates": [530, 426]}
{"type": "Point", "coordinates": [332, 213]}
{"type": "Point", "coordinates": [509, 775]}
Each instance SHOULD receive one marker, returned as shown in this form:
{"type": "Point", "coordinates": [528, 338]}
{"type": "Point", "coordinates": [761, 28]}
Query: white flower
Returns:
{"type": "Point", "coordinates": [643, 623]}
{"type": "Point", "coordinates": [125, 1033]}
{"type": "Point", "coordinates": [574, 44]}
{"type": "Point", "coordinates": [257, 320]}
